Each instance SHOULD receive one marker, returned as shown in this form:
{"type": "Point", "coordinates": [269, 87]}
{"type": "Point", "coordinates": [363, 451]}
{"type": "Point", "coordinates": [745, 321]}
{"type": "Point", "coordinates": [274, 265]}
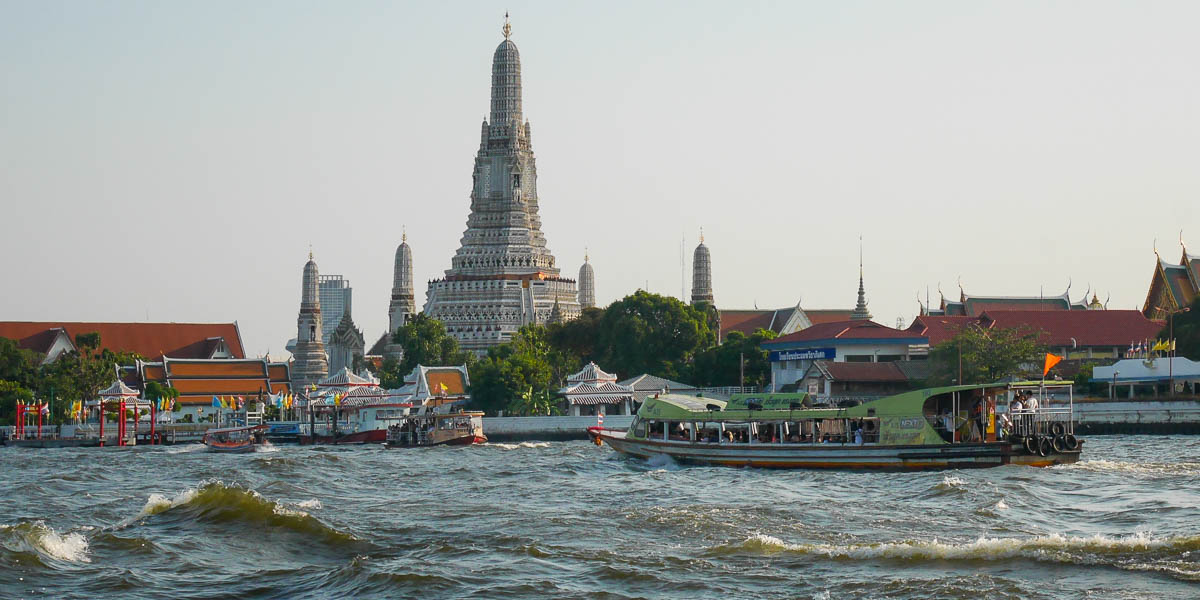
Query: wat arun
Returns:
{"type": "Point", "coordinates": [503, 276]}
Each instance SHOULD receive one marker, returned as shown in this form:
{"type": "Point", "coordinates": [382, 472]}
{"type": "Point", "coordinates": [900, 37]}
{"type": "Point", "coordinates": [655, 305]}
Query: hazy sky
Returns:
{"type": "Point", "coordinates": [173, 161]}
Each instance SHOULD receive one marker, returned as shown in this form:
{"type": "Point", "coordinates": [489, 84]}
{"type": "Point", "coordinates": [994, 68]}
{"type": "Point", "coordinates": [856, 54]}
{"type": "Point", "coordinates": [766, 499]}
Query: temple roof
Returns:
{"type": "Point", "coordinates": [591, 373]}
{"type": "Point", "coordinates": [843, 331]}
{"type": "Point", "coordinates": [149, 340]}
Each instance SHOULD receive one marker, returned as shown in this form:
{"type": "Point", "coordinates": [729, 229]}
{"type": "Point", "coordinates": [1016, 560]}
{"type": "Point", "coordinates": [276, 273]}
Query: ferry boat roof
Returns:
{"type": "Point", "coordinates": [782, 406]}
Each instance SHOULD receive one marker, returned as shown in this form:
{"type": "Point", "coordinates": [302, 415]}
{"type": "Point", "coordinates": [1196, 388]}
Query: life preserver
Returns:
{"type": "Point", "coordinates": [869, 426]}
{"type": "Point", "coordinates": [1057, 429]}
{"type": "Point", "coordinates": [1046, 447]}
{"type": "Point", "coordinates": [1070, 443]}
{"type": "Point", "coordinates": [1031, 444]}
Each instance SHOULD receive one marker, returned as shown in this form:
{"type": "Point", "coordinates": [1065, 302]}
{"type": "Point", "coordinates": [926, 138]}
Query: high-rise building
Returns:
{"type": "Point", "coordinates": [587, 284]}
{"type": "Point", "coordinates": [503, 275]}
{"type": "Point", "coordinates": [336, 302]}
{"type": "Point", "coordinates": [310, 364]}
{"type": "Point", "coordinates": [702, 274]}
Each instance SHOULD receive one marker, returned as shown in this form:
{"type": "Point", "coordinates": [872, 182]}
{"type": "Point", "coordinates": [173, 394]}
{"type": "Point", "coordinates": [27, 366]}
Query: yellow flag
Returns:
{"type": "Point", "coordinates": [1051, 360]}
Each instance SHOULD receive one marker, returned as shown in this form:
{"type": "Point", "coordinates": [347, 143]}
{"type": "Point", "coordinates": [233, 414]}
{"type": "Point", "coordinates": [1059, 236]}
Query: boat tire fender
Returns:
{"type": "Point", "coordinates": [1057, 429]}
{"type": "Point", "coordinates": [1070, 443]}
{"type": "Point", "coordinates": [1031, 444]}
{"type": "Point", "coordinates": [1059, 443]}
{"type": "Point", "coordinates": [869, 427]}
{"type": "Point", "coordinates": [1045, 447]}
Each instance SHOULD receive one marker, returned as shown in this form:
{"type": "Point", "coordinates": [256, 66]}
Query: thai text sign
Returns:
{"type": "Point", "coordinates": [809, 354]}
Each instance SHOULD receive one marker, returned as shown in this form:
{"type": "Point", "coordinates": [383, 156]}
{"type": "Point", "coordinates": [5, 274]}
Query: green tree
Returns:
{"type": "Point", "coordinates": [80, 374]}
{"type": "Point", "coordinates": [649, 333]}
{"type": "Point", "coordinates": [722, 365]}
{"type": "Point", "coordinates": [389, 374]}
{"type": "Point", "coordinates": [1187, 331]}
{"type": "Point", "coordinates": [522, 375]}
{"type": "Point", "coordinates": [17, 365]}
{"type": "Point", "coordinates": [426, 342]}
{"type": "Point", "coordinates": [10, 393]}
{"type": "Point", "coordinates": [578, 337]}
{"type": "Point", "coordinates": [988, 355]}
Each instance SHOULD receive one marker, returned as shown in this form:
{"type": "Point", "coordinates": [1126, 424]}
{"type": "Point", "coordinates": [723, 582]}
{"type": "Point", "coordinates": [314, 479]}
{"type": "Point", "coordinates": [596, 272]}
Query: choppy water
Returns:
{"type": "Point", "coordinates": [538, 520]}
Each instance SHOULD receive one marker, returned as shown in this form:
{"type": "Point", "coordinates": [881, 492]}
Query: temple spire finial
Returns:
{"type": "Point", "coordinates": [310, 254]}
{"type": "Point", "coordinates": [403, 233]}
{"type": "Point", "coordinates": [701, 234]}
{"type": "Point", "coordinates": [507, 26]}
{"type": "Point", "coordinates": [585, 254]}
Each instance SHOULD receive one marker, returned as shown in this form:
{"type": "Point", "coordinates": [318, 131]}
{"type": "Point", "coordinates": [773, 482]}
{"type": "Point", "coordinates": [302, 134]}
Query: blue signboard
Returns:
{"type": "Point", "coordinates": [806, 354]}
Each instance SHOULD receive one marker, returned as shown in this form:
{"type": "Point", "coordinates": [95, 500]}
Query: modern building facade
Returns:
{"type": "Point", "coordinates": [503, 276]}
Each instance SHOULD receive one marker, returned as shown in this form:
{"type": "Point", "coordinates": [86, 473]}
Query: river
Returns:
{"type": "Point", "coordinates": [568, 519]}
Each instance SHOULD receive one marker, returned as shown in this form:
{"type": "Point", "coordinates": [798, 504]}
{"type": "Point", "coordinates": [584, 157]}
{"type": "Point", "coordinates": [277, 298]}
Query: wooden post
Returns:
{"type": "Point", "coordinates": [102, 420]}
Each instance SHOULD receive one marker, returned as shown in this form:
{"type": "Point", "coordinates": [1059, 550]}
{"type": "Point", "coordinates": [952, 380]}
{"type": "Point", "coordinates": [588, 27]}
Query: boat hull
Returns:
{"type": "Point", "coordinates": [464, 440]}
{"type": "Point", "coordinates": [232, 448]}
{"type": "Point", "coordinates": [832, 456]}
{"type": "Point", "coordinates": [372, 436]}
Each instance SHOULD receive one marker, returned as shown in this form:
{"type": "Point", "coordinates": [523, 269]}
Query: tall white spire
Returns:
{"type": "Point", "coordinates": [702, 273]}
{"type": "Point", "coordinates": [587, 284]}
{"type": "Point", "coordinates": [310, 364]}
{"type": "Point", "coordinates": [402, 305]}
{"type": "Point", "coordinates": [860, 312]}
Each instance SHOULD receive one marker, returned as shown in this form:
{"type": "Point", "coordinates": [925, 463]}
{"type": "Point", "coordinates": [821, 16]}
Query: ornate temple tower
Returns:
{"type": "Point", "coordinates": [310, 364]}
{"type": "Point", "coordinates": [402, 306]}
{"type": "Point", "coordinates": [587, 284]}
{"type": "Point", "coordinates": [503, 275]}
{"type": "Point", "coordinates": [702, 274]}
{"type": "Point", "coordinates": [860, 312]}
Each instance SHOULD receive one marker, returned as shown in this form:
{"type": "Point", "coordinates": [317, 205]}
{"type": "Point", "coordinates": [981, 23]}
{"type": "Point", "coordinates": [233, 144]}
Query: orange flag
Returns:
{"type": "Point", "coordinates": [1051, 360]}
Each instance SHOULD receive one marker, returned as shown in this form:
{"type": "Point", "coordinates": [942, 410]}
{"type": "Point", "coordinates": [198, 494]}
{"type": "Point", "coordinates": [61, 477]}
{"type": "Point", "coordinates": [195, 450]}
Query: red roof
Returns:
{"type": "Point", "coordinates": [862, 371]}
{"type": "Point", "coordinates": [845, 330]}
{"type": "Point", "coordinates": [939, 328]}
{"type": "Point", "coordinates": [151, 340]}
{"type": "Point", "coordinates": [745, 321]}
{"type": "Point", "coordinates": [827, 315]}
{"type": "Point", "coordinates": [1104, 328]}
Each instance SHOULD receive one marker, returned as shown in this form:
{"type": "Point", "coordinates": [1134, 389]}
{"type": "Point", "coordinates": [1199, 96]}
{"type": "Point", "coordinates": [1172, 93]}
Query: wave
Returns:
{"type": "Point", "coordinates": [519, 445]}
{"type": "Point", "coordinates": [949, 485]}
{"type": "Point", "coordinates": [1135, 468]}
{"type": "Point", "coordinates": [1130, 552]}
{"type": "Point", "coordinates": [215, 501]}
{"type": "Point", "coordinates": [36, 536]}
{"type": "Point", "coordinates": [186, 448]}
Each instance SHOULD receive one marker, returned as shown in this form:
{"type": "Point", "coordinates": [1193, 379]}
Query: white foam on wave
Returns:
{"type": "Point", "coordinates": [44, 540]}
{"type": "Point", "coordinates": [1135, 468]}
{"type": "Point", "coordinates": [266, 448]}
{"type": "Point", "coordinates": [519, 445]}
{"type": "Point", "coordinates": [1000, 505]}
{"type": "Point", "coordinates": [311, 504]}
{"type": "Point", "coordinates": [283, 511]}
{"type": "Point", "coordinates": [1055, 548]}
{"type": "Point", "coordinates": [186, 448]}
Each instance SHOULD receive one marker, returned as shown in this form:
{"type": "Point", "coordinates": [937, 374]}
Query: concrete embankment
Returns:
{"type": "Point", "coordinates": [546, 429]}
{"type": "Point", "coordinates": [1138, 417]}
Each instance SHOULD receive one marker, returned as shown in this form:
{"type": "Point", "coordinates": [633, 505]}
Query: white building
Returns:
{"type": "Point", "coordinates": [792, 356]}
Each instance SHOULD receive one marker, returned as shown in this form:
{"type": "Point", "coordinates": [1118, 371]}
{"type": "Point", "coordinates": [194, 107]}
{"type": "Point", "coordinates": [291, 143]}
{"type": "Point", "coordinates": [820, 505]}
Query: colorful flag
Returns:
{"type": "Point", "coordinates": [1051, 360]}
{"type": "Point", "coordinates": [444, 388]}
{"type": "Point", "coordinates": [599, 419]}
{"type": "Point", "coordinates": [216, 403]}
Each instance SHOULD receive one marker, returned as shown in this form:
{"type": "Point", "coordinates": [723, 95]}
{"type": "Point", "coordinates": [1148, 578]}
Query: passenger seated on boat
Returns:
{"type": "Point", "coordinates": [729, 436]}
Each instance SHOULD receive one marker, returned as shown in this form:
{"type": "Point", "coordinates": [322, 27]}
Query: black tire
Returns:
{"type": "Point", "coordinates": [1031, 444]}
{"type": "Point", "coordinates": [1059, 443]}
{"type": "Point", "coordinates": [1045, 447]}
{"type": "Point", "coordinates": [1070, 443]}
{"type": "Point", "coordinates": [869, 427]}
{"type": "Point", "coordinates": [1057, 429]}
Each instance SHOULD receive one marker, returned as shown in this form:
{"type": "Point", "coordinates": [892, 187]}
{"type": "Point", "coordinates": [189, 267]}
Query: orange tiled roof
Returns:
{"type": "Point", "coordinates": [150, 340]}
{"type": "Point", "coordinates": [452, 379]}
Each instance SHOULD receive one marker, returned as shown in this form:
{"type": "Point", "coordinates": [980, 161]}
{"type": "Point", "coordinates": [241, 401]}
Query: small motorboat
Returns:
{"type": "Point", "coordinates": [237, 439]}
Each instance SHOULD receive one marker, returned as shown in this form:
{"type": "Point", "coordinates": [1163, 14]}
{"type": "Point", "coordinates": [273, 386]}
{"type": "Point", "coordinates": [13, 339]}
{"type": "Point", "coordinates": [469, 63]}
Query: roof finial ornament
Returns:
{"type": "Point", "coordinates": [701, 234]}
{"type": "Point", "coordinates": [585, 254]}
{"type": "Point", "coordinates": [1181, 244]}
{"type": "Point", "coordinates": [507, 26]}
{"type": "Point", "coordinates": [1156, 247]}
{"type": "Point", "coordinates": [310, 255]}
{"type": "Point", "coordinates": [404, 233]}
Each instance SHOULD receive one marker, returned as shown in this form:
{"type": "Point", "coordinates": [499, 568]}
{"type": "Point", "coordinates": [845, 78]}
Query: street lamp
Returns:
{"type": "Point", "coordinates": [1171, 340]}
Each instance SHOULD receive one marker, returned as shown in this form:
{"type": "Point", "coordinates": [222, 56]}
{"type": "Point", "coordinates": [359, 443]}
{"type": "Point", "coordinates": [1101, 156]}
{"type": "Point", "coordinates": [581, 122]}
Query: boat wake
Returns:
{"type": "Point", "coordinates": [214, 501]}
{"type": "Point", "coordinates": [1172, 555]}
{"type": "Point", "coordinates": [186, 449]}
{"type": "Point", "coordinates": [518, 445]}
{"type": "Point", "coordinates": [37, 537]}
{"type": "Point", "coordinates": [1135, 468]}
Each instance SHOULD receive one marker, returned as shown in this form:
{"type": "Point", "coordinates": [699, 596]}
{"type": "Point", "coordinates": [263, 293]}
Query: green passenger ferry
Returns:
{"type": "Point", "coordinates": [937, 428]}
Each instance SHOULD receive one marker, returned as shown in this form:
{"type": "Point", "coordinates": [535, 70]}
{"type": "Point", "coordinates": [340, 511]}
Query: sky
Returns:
{"type": "Point", "coordinates": [174, 161]}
